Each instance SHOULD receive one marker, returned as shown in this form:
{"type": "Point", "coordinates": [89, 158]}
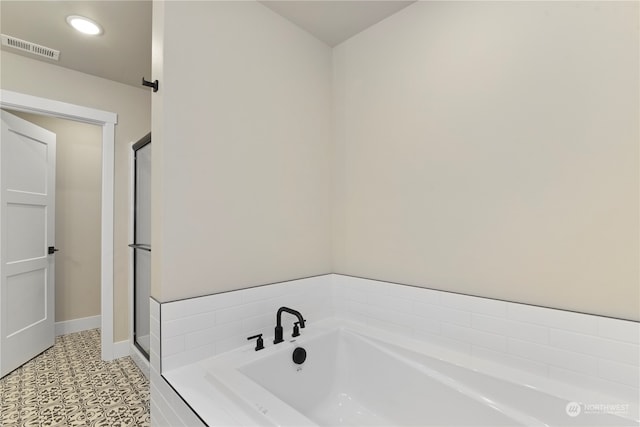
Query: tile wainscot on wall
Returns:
{"type": "Point", "coordinates": [592, 352]}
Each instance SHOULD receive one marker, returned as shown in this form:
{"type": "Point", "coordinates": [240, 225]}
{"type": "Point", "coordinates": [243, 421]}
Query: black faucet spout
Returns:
{"type": "Point", "coordinates": [290, 311]}
{"type": "Point", "coordinates": [278, 331]}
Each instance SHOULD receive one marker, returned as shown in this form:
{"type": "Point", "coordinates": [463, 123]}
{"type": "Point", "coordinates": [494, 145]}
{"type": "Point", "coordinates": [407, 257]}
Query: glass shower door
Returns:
{"type": "Point", "coordinates": [142, 244]}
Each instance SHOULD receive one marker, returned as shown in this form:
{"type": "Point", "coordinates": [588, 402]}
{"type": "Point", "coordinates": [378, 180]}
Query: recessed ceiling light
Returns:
{"type": "Point", "coordinates": [84, 25]}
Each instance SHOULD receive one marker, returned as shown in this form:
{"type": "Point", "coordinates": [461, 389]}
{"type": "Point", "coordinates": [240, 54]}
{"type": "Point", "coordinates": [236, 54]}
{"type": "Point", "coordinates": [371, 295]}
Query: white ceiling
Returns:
{"type": "Point", "coordinates": [335, 21]}
{"type": "Point", "coordinates": [123, 52]}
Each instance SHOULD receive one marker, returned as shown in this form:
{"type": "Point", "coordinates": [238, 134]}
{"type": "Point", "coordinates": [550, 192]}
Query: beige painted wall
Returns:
{"type": "Point", "coordinates": [133, 106]}
{"type": "Point", "coordinates": [78, 190]}
{"type": "Point", "coordinates": [241, 156]}
{"type": "Point", "coordinates": [492, 149]}
{"type": "Point", "coordinates": [489, 148]}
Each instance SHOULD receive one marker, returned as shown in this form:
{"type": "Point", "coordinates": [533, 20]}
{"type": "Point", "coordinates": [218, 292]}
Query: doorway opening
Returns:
{"type": "Point", "coordinates": [77, 221]}
{"type": "Point", "coordinates": [31, 104]}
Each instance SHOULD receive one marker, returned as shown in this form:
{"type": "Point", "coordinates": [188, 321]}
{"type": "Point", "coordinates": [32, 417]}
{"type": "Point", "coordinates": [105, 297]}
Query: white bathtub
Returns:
{"type": "Point", "coordinates": [355, 376]}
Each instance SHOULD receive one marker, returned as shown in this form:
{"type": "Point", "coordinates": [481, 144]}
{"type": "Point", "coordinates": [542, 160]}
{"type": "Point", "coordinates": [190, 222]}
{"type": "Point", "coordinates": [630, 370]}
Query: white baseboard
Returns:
{"type": "Point", "coordinates": [77, 325]}
{"type": "Point", "coordinates": [120, 349]}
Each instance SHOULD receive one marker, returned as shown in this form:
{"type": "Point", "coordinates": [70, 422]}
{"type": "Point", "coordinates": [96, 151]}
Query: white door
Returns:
{"type": "Point", "coordinates": [27, 208]}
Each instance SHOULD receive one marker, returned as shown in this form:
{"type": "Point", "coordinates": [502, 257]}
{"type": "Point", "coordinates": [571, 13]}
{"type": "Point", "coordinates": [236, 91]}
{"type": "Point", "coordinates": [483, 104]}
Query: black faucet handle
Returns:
{"type": "Point", "coordinates": [259, 341]}
{"type": "Point", "coordinates": [296, 329]}
{"type": "Point", "coordinates": [277, 339]}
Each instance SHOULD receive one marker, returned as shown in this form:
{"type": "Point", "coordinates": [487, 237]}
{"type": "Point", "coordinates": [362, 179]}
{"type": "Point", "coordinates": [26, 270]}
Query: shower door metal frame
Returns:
{"type": "Point", "coordinates": [143, 142]}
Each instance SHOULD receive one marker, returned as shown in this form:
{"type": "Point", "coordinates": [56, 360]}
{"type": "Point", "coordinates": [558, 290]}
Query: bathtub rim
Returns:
{"type": "Point", "coordinates": [244, 355]}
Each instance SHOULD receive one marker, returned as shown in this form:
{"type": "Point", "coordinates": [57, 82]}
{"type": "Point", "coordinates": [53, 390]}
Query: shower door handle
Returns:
{"type": "Point", "coordinates": [139, 246]}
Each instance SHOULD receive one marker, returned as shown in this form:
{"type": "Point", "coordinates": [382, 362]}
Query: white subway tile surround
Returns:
{"type": "Point", "coordinates": [584, 350]}
{"type": "Point", "coordinates": [197, 328]}
{"type": "Point", "coordinates": [167, 408]}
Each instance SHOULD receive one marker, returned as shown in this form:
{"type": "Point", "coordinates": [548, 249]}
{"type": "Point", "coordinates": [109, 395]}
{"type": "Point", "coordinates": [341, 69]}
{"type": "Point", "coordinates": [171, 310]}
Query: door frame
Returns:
{"type": "Point", "coordinates": [107, 120]}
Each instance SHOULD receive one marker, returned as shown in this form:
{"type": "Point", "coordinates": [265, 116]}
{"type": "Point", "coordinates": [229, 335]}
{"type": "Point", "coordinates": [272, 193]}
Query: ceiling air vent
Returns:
{"type": "Point", "coordinates": [33, 48]}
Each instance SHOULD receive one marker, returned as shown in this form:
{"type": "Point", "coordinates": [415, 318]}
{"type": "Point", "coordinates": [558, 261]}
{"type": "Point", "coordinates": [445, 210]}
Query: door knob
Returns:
{"type": "Point", "coordinates": [52, 250]}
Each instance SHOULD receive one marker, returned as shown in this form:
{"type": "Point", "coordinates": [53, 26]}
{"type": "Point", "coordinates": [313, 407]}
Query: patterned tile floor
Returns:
{"type": "Point", "coordinates": [69, 385]}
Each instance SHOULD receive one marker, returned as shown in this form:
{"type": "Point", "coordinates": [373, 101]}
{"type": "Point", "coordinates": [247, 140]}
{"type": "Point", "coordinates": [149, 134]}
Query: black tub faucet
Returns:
{"type": "Point", "coordinates": [278, 334]}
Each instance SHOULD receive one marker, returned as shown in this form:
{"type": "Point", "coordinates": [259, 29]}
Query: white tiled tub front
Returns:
{"type": "Point", "coordinates": [594, 353]}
